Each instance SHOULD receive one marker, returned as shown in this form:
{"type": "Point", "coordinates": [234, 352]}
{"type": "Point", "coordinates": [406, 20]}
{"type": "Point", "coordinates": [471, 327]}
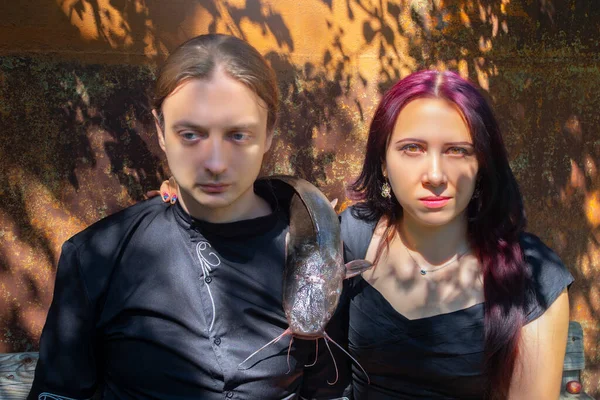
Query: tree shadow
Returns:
{"type": "Point", "coordinates": [530, 58]}
{"type": "Point", "coordinates": [84, 132]}
{"type": "Point", "coordinates": [313, 130]}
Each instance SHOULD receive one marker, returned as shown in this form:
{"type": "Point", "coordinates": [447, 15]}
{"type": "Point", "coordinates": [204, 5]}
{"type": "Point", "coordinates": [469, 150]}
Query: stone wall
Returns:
{"type": "Point", "coordinates": [78, 142]}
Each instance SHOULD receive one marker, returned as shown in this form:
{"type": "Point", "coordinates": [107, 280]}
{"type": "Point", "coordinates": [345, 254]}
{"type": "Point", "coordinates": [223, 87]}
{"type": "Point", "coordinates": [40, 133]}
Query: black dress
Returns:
{"type": "Point", "coordinates": [438, 357]}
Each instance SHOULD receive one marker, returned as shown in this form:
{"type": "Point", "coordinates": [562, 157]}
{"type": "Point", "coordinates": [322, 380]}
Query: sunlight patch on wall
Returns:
{"type": "Point", "coordinates": [81, 16]}
{"type": "Point", "coordinates": [591, 207]}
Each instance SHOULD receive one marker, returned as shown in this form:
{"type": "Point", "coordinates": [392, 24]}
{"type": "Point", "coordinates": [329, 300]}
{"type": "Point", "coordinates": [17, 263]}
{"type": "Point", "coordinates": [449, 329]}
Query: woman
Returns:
{"type": "Point", "coordinates": [461, 303]}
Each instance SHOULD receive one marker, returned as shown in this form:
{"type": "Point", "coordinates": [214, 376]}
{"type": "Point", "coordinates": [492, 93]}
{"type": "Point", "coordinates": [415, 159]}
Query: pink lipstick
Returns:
{"type": "Point", "coordinates": [435, 201]}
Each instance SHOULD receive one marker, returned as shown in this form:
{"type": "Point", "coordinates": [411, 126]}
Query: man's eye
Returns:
{"type": "Point", "coordinates": [239, 136]}
{"type": "Point", "coordinates": [189, 136]}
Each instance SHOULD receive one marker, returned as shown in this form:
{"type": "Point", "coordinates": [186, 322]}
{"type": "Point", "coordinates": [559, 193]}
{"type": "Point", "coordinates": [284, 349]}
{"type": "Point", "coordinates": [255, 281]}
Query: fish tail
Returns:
{"type": "Point", "coordinates": [288, 331]}
{"type": "Point", "coordinates": [316, 354]}
{"type": "Point", "coordinates": [327, 338]}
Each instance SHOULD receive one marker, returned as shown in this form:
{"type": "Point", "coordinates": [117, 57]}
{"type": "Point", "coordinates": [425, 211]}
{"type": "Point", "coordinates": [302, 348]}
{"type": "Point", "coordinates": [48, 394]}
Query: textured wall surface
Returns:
{"type": "Point", "coordinates": [77, 139]}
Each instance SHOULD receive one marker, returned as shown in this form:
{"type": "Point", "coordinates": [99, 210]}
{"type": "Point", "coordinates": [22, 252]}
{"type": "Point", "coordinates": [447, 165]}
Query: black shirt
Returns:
{"type": "Point", "coordinates": [438, 357]}
{"type": "Point", "coordinates": [151, 303]}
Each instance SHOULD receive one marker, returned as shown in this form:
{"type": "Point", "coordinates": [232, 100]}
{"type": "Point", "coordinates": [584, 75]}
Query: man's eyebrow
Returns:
{"type": "Point", "coordinates": [188, 125]}
{"type": "Point", "coordinates": [194, 126]}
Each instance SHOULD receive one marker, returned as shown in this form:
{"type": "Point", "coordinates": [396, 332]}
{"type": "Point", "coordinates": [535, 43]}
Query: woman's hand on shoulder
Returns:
{"type": "Point", "coordinates": [539, 364]}
{"type": "Point", "coordinates": [167, 192]}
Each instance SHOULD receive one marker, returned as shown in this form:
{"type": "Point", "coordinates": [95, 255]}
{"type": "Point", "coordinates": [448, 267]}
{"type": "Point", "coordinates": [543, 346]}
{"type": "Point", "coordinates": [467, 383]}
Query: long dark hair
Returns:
{"type": "Point", "coordinates": [495, 214]}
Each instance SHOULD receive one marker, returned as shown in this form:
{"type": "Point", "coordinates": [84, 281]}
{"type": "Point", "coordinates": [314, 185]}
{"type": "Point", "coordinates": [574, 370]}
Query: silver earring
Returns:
{"type": "Point", "coordinates": [386, 190]}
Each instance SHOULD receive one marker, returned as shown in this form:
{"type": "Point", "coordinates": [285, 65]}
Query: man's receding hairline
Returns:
{"type": "Point", "coordinates": [219, 66]}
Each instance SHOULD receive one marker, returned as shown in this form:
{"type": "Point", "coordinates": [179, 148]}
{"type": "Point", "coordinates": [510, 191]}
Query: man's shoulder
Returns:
{"type": "Point", "coordinates": [118, 224]}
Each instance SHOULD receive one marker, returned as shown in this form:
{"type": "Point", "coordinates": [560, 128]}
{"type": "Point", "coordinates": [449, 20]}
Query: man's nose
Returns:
{"type": "Point", "coordinates": [216, 159]}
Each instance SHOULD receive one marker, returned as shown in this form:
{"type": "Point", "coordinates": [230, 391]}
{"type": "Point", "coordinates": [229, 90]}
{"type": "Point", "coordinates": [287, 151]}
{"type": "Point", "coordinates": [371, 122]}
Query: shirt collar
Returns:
{"type": "Point", "coordinates": [247, 227]}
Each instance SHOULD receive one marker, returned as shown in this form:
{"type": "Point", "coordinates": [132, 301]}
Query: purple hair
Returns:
{"type": "Point", "coordinates": [495, 217]}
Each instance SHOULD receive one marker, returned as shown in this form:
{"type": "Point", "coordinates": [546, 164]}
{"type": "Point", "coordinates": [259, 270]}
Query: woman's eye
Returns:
{"type": "Point", "coordinates": [412, 148]}
{"type": "Point", "coordinates": [457, 151]}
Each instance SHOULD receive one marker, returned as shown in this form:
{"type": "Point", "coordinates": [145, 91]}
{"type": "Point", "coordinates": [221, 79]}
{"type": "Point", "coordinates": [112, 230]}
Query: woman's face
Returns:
{"type": "Point", "coordinates": [431, 163]}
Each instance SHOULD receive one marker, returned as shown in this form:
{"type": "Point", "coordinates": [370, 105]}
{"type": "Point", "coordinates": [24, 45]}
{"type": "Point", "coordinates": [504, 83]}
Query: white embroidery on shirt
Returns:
{"type": "Point", "coordinates": [52, 396]}
{"type": "Point", "coordinates": [207, 267]}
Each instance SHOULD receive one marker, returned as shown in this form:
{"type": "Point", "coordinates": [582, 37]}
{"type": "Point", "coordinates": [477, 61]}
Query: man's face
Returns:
{"type": "Point", "coordinates": [215, 135]}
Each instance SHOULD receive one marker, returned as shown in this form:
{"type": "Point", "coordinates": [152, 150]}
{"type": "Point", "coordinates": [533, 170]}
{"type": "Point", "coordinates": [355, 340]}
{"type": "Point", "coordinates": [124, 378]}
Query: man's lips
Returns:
{"type": "Point", "coordinates": [435, 201]}
{"type": "Point", "coordinates": [213, 187]}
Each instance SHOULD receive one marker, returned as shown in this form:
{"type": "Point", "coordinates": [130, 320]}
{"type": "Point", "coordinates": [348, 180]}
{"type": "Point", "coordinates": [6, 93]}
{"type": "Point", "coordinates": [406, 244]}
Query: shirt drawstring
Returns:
{"type": "Point", "coordinates": [207, 266]}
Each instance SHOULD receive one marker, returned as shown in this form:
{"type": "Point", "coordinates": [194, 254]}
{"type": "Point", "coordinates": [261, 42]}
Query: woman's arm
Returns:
{"type": "Point", "coordinates": [539, 365]}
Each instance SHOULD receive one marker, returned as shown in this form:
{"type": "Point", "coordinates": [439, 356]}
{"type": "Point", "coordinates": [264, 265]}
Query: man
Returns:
{"type": "Point", "coordinates": [164, 301]}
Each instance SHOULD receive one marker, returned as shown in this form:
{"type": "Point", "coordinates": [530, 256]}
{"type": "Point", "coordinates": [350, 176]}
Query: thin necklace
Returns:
{"type": "Point", "coordinates": [444, 265]}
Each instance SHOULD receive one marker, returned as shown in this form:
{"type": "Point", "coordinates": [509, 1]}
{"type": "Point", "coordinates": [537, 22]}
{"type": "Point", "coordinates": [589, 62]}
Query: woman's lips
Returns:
{"type": "Point", "coordinates": [435, 201]}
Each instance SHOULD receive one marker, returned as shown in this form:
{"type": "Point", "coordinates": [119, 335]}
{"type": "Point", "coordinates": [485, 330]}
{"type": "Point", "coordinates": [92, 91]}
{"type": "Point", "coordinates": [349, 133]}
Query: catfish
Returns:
{"type": "Point", "coordinates": [314, 267]}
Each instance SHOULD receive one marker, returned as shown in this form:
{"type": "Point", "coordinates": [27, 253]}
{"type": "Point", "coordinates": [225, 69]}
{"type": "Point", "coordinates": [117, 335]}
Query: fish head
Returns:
{"type": "Point", "coordinates": [312, 291]}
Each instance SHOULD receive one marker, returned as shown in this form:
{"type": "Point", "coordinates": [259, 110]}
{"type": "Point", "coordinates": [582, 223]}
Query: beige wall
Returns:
{"type": "Point", "coordinates": [78, 143]}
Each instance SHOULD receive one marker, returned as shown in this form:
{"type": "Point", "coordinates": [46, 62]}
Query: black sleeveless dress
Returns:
{"type": "Point", "coordinates": [438, 357]}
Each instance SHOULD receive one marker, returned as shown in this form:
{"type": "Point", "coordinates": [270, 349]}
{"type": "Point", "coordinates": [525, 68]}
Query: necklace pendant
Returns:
{"type": "Point", "coordinates": [423, 272]}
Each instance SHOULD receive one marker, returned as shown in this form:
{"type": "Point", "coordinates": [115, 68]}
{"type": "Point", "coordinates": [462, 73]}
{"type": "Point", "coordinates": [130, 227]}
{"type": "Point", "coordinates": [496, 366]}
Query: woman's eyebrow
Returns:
{"type": "Point", "coordinates": [412, 140]}
{"type": "Point", "coordinates": [460, 143]}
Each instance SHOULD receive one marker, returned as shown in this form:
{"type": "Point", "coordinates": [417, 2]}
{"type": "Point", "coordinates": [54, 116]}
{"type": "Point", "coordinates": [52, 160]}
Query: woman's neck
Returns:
{"type": "Point", "coordinates": [436, 244]}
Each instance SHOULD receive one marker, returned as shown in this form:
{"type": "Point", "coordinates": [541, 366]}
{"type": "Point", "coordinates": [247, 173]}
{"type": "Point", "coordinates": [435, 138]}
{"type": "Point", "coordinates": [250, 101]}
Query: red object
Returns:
{"type": "Point", "coordinates": [574, 387]}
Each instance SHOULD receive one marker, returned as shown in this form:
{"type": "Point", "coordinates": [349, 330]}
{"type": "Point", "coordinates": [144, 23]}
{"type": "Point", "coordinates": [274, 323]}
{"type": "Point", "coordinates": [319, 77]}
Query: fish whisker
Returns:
{"type": "Point", "coordinates": [327, 338]}
{"type": "Point", "coordinates": [285, 333]}
{"type": "Point", "coordinates": [333, 358]}
{"type": "Point", "coordinates": [316, 354]}
{"type": "Point", "coordinates": [288, 355]}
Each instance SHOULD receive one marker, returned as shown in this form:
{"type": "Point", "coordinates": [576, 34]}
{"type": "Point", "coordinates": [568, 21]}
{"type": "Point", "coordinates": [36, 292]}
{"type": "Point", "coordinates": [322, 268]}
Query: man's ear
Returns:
{"type": "Point", "coordinates": [159, 130]}
{"type": "Point", "coordinates": [269, 139]}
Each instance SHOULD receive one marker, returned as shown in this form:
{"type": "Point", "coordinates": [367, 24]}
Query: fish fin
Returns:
{"type": "Point", "coordinates": [356, 267]}
{"type": "Point", "coordinates": [334, 203]}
